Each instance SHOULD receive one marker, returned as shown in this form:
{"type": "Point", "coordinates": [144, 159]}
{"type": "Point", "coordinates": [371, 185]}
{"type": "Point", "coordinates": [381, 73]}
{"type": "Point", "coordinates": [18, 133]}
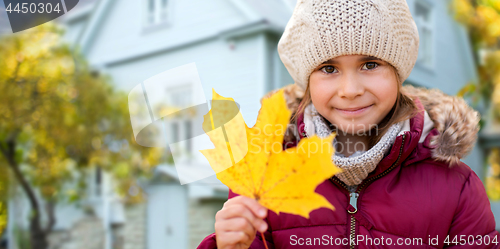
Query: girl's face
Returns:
{"type": "Point", "coordinates": [354, 92]}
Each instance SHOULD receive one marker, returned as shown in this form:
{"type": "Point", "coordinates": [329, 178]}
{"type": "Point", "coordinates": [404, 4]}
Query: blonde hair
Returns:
{"type": "Point", "coordinates": [403, 109]}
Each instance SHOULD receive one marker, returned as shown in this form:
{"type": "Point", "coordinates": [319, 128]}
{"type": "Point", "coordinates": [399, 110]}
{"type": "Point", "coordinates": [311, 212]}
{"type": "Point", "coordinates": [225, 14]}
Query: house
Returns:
{"type": "Point", "coordinates": [4, 21]}
{"type": "Point", "coordinates": [233, 43]}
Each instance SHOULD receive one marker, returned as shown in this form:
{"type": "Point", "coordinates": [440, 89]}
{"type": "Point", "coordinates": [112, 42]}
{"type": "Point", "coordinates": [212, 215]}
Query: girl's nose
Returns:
{"type": "Point", "coordinates": [350, 87]}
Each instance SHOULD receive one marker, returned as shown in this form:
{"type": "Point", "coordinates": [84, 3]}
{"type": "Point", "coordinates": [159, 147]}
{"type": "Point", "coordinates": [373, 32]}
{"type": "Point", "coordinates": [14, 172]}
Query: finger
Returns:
{"type": "Point", "coordinates": [239, 224]}
{"type": "Point", "coordinates": [239, 210]}
{"type": "Point", "coordinates": [258, 210]}
{"type": "Point", "coordinates": [229, 238]}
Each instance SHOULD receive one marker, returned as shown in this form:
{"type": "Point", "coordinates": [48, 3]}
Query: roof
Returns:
{"type": "Point", "coordinates": [83, 8]}
{"type": "Point", "coordinates": [275, 12]}
{"type": "Point", "coordinates": [83, 3]}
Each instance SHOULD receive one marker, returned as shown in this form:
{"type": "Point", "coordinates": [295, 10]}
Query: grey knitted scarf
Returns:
{"type": "Point", "coordinates": [357, 166]}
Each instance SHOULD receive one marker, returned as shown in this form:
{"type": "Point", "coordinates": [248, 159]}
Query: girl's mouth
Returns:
{"type": "Point", "coordinates": [354, 111]}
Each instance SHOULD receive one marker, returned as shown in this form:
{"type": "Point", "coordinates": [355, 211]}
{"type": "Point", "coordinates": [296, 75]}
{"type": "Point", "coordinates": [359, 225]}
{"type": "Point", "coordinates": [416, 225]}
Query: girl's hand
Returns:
{"type": "Point", "coordinates": [238, 221]}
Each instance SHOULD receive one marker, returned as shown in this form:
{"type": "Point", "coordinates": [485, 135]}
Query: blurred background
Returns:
{"type": "Point", "coordinates": [71, 173]}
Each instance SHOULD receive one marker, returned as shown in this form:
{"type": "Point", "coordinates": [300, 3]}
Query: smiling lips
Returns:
{"type": "Point", "coordinates": [356, 110]}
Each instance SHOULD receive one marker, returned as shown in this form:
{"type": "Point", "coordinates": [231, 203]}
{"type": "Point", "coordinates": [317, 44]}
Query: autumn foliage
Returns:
{"type": "Point", "coordinates": [482, 20]}
{"type": "Point", "coordinates": [60, 119]}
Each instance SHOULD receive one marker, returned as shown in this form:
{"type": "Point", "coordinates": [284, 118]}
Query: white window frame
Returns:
{"type": "Point", "coordinates": [160, 16]}
{"type": "Point", "coordinates": [426, 54]}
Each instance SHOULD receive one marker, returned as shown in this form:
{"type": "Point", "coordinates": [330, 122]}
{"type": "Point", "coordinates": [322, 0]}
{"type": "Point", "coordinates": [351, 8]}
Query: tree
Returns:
{"type": "Point", "coordinates": [60, 117]}
{"type": "Point", "coordinates": [482, 20]}
{"type": "Point", "coordinates": [3, 200]}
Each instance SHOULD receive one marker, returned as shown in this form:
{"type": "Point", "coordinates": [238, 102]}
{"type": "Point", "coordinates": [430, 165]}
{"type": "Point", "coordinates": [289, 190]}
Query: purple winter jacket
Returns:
{"type": "Point", "coordinates": [419, 196]}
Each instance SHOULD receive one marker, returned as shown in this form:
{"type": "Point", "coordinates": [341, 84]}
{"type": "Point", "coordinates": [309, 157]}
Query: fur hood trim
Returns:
{"type": "Point", "coordinates": [456, 122]}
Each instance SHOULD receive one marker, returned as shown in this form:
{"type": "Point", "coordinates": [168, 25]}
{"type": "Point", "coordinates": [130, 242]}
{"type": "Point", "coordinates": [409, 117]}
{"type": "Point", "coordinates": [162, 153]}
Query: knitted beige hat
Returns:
{"type": "Point", "coordinates": [320, 30]}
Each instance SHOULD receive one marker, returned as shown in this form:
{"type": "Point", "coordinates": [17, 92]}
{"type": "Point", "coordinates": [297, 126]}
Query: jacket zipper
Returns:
{"type": "Point", "coordinates": [354, 202]}
{"type": "Point", "coordinates": [353, 196]}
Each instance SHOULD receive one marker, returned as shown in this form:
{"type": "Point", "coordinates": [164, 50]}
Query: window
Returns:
{"type": "Point", "coordinates": [175, 131]}
{"type": "Point", "coordinates": [188, 130]}
{"type": "Point", "coordinates": [179, 127]}
{"type": "Point", "coordinates": [179, 96]}
{"type": "Point", "coordinates": [156, 12]}
{"type": "Point", "coordinates": [424, 21]}
{"type": "Point", "coordinates": [95, 182]}
{"type": "Point", "coordinates": [98, 180]}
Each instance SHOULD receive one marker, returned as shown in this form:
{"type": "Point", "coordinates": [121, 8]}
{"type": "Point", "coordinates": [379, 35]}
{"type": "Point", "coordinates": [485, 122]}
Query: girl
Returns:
{"type": "Point", "coordinates": [403, 184]}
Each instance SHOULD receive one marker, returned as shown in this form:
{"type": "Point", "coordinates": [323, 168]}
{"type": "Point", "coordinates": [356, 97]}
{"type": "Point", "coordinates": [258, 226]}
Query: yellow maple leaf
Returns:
{"type": "Point", "coordinates": [280, 180]}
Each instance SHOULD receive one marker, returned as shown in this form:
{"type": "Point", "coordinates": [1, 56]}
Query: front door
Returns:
{"type": "Point", "coordinates": [167, 217]}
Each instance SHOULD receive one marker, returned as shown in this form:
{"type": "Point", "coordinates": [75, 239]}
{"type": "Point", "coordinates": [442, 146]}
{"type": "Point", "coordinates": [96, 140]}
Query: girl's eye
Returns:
{"type": "Point", "coordinates": [370, 65]}
{"type": "Point", "coordinates": [329, 69]}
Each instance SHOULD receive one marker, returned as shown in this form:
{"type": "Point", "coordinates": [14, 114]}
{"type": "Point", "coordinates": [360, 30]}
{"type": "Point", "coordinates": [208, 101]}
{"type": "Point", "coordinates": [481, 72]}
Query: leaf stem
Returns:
{"type": "Point", "coordinates": [264, 239]}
